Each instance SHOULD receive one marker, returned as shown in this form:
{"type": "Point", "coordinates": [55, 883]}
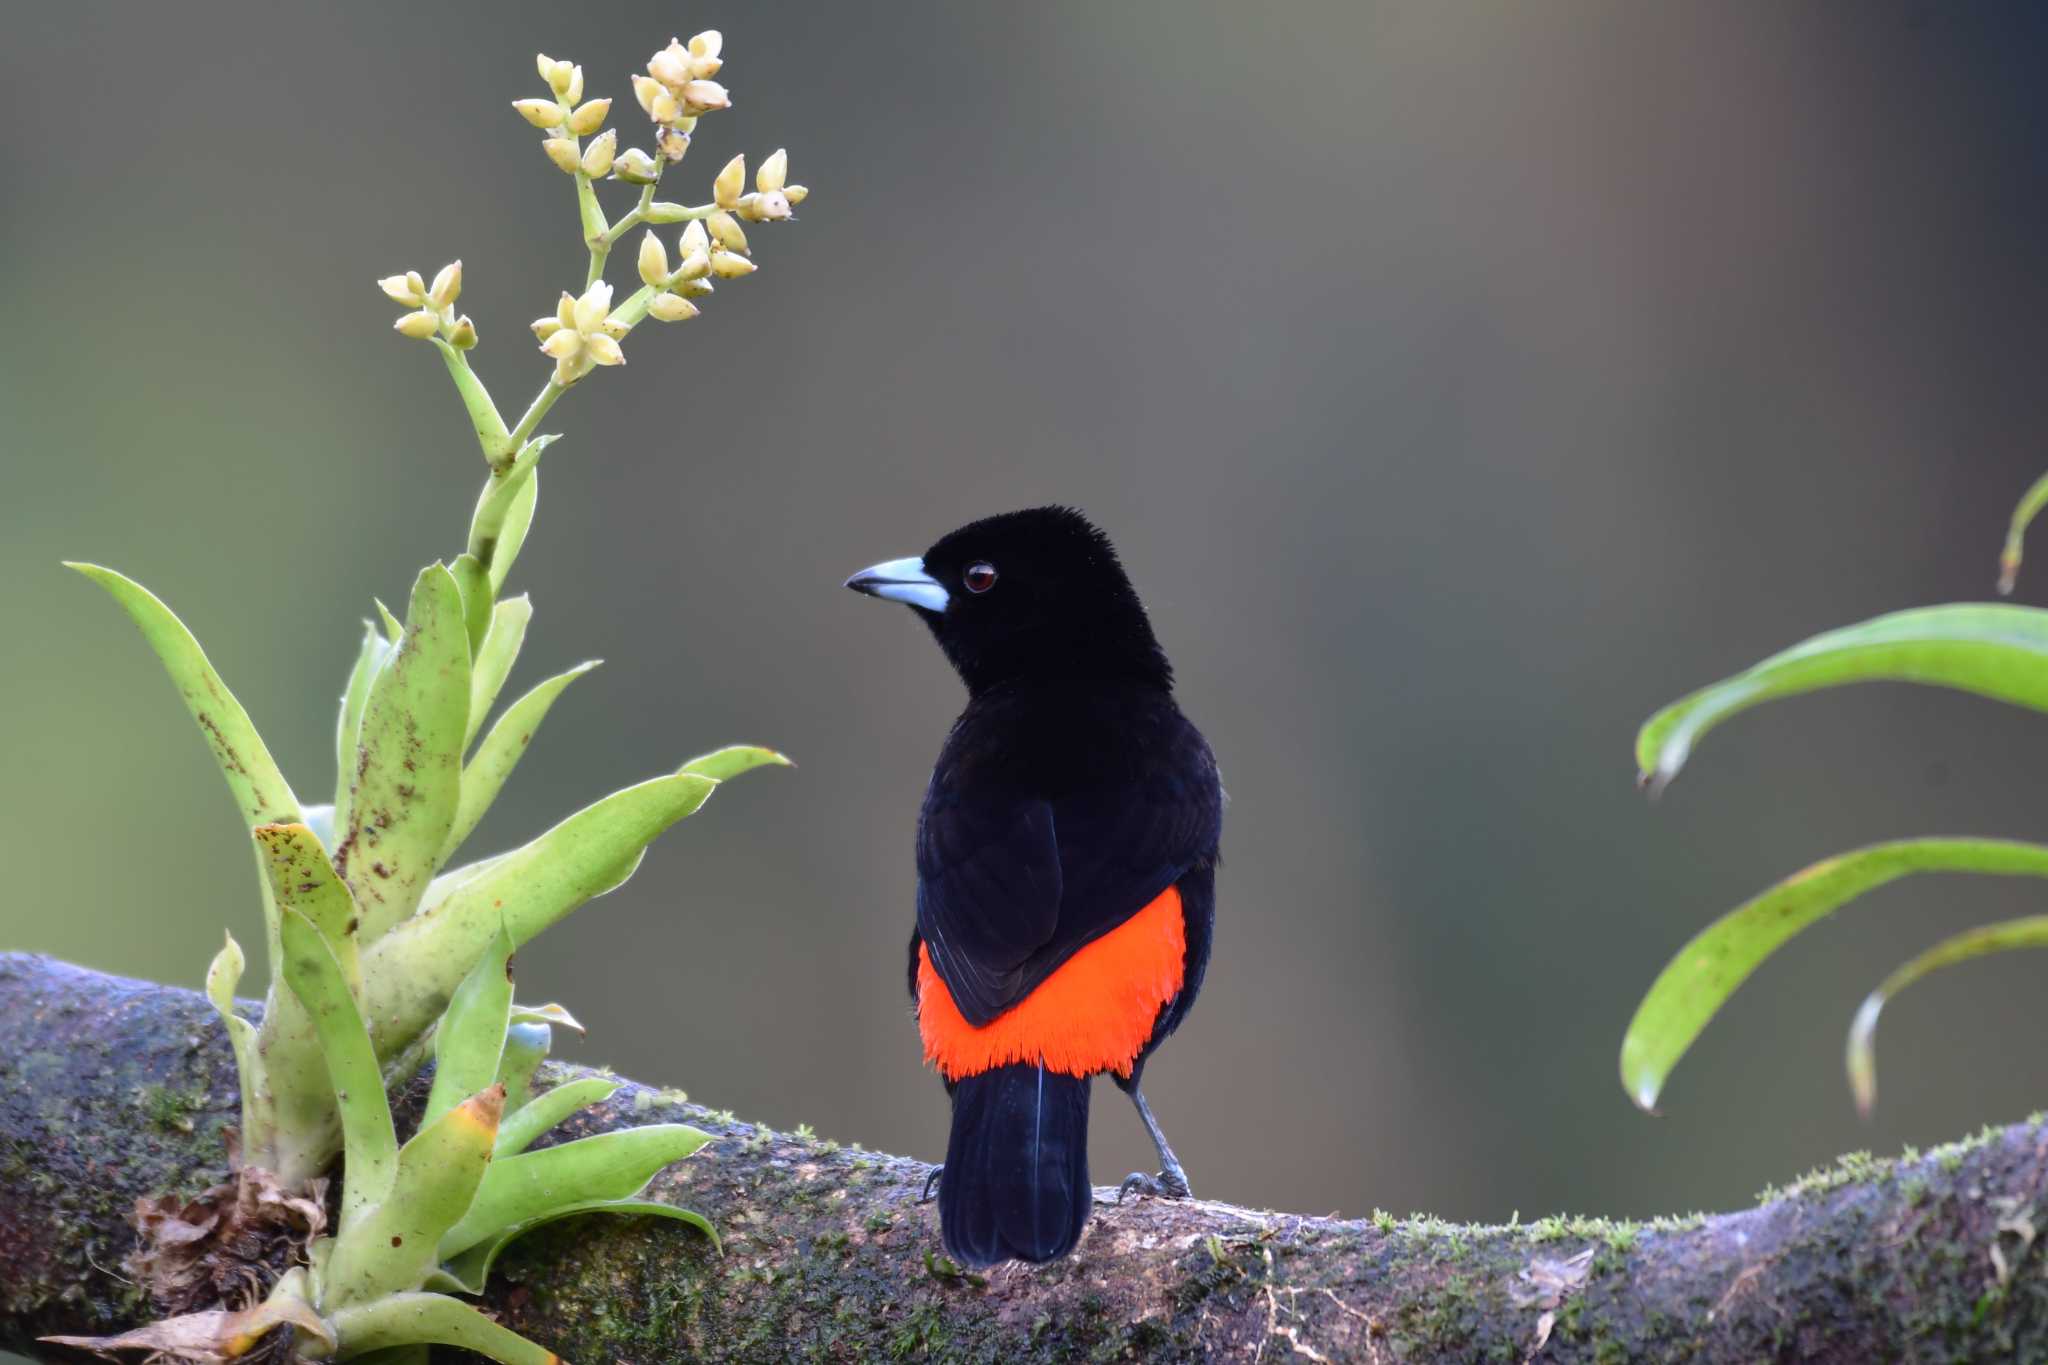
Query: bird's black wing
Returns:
{"type": "Point", "coordinates": [1010, 887]}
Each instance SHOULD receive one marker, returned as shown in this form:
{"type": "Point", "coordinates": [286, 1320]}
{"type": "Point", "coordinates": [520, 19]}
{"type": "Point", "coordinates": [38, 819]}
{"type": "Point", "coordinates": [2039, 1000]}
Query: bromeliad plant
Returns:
{"type": "Point", "coordinates": [1995, 650]}
{"type": "Point", "coordinates": [382, 956]}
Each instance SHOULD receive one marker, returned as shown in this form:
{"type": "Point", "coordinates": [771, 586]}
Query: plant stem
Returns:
{"type": "Point", "coordinates": [535, 410]}
{"type": "Point", "coordinates": [483, 413]}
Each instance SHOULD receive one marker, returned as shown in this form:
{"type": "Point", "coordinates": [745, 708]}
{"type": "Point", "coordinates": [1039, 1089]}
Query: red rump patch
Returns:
{"type": "Point", "coordinates": [1094, 1014]}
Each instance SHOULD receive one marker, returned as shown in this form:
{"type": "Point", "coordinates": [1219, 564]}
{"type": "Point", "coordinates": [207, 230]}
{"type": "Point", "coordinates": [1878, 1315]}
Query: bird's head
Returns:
{"type": "Point", "coordinates": [1031, 595]}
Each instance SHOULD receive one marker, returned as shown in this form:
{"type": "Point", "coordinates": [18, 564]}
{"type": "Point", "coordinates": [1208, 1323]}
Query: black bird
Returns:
{"type": "Point", "coordinates": [1066, 869]}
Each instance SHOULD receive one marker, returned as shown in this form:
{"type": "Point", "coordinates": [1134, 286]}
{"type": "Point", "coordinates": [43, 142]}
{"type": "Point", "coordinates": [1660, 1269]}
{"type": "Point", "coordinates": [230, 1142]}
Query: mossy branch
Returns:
{"type": "Point", "coordinates": [113, 1089]}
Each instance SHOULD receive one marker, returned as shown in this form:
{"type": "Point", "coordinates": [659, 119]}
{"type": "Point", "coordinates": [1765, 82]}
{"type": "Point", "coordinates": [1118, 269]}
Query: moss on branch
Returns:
{"type": "Point", "coordinates": [112, 1089]}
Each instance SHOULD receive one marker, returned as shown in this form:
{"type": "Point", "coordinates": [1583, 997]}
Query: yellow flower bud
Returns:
{"type": "Point", "coordinates": [543, 63]}
{"type": "Point", "coordinates": [590, 117]}
{"type": "Point", "coordinates": [635, 167]}
{"type": "Point", "coordinates": [604, 350]}
{"type": "Point", "coordinates": [727, 266]}
{"type": "Point", "coordinates": [593, 307]}
{"type": "Point", "coordinates": [726, 189]}
{"type": "Point", "coordinates": [665, 211]}
{"type": "Point", "coordinates": [666, 108]}
{"type": "Point", "coordinates": [694, 289]}
{"type": "Point", "coordinates": [701, 97]}
{"type": "Point", "coordinates": [670, 66]}
{"type": "Point", "coordinates": [419, 326]}
{"type": "Point", "coordinates": [795, 194]}
{"type": "Point", "coordinates": [696, 264]}
{"type": "Point", "coordinates": [447, 285]}
{"type": "Point", "coordinates": [563, 345]}
{"type": "Point", "coordinates": [464, 335]}
{"type": "Point", "coordinates": [771, 207]}
{"type": "Point", "coordinates": [544, 328]}
{"type": "Point", "coordinates": [560, 75]}
{"type": "Point", "coordinates": [645, 88]}
{"type": "Point", "coordinates": [562, 151]}
{"type": "Point", "coordinates": [709, 43]}
{"type": "Point", "coordinates": [773, 171]}
{"type": "Point", "coordinates": [540, 113]}
{"type": "Point", "coordinates": [672, 144]}
{"type": "Point", "coordinates": [704, 68]}
{"type": "Point", "coordinates": [615, 329]}
{"type": "Point", "coordinates": [417, 285]}
{"type": "Point", "coordinates": [653, 260]}
{"type": "Point", "coordinates": [669, 308]}
{"type": "Point", "coordinates": [399, 289]}
{"type": "Point", "coordinates": [565, 309]}
{"type": "Point", "coordinates": [574, 368]}
{"type": "Point", "coordinates": [725, 230]}
{"type": "Point", "coordinates": [598, 156]}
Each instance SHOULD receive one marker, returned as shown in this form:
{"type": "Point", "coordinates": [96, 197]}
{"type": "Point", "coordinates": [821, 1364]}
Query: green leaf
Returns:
{"type": "Point", "coordinates": [733, 760]}
{"type": "Point", "coordinates": [412, 971]}
{"type": "Point", "coordinates": [370, 661]}
{"type": "Point", "coordinates": [409, 771]}
{"type": "Point", "coordinates": [504, 512]}
{"type": "Point", "coordinates": [2030, 505]}
{"type": "Point", "coordinates": [2008, 936]}
{"type": "Point", "coordinates": [393, 630]}
{"type": "Point", "coordinates": [369, 1142]}
{"type": "Point", "coordinates": [523, 1125]}
{"type": "Point", "coordinates": [469, 1272]}
{"type": "Point", "coordinates": [526, 1047]}
{"type": "Point", "coordinates": [391, 1247]}
{"type": "Point", "coordinates": [222, 977]}
{"type": "Point", "coordinates": [1993, 650]}
{"type": "Point", "coordinates": [1695, 984]}
{"type": "Point", "coordinates": [403, 1319]}
{"type": "Point", "coordinates": [302, 879]}
{"type": "Point", "coordinates": [475, 586]}
{"type": "Point", "coordinates": [532, 1185]}
{"type": "Point", "coordinates": [471, 1035]}
{"type": "Point", "coordinates": [501, 751]}
{"type": "Point", "coordinates": [494, 660]}
{"type": "Point", "coordinates": [260, 791]}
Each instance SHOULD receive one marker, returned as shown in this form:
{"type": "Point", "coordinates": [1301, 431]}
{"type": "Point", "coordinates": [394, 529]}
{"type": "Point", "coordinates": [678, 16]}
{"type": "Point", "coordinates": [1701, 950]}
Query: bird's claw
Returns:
{"type": "Point", "coordinates": [1165, 1185]}
{"type": "Point", "coordinates": [929, 1181]}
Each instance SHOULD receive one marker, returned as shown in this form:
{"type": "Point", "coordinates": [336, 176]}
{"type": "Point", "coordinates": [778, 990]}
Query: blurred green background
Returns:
{"type": "Point", "coordinates": [1460, 381]}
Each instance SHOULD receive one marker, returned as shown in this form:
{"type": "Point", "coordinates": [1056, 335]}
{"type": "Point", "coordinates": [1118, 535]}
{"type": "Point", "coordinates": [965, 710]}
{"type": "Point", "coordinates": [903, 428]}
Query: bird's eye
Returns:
{"type": "Point", "coordinates": [980, 576]}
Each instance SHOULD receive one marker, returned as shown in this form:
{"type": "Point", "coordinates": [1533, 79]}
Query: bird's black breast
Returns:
{"type": "Point", "coordinates": [1054, 814]}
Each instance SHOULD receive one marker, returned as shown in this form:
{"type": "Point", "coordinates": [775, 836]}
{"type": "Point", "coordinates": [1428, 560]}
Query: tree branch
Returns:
{"type": "Point", "coordinates": [113, 1089]}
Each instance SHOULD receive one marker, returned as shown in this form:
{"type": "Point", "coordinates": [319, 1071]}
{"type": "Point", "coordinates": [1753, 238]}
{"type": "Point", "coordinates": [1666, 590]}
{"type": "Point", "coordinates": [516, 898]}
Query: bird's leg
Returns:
{"type": "Point", "coordinates": [929, 1181]}
{"type": "Point", "coordinates": [1172, 1181]}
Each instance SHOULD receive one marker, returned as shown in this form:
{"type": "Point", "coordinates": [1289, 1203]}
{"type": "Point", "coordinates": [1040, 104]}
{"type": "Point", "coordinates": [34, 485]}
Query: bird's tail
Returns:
{"type": "Point", "coordinates": [1016, 1178]}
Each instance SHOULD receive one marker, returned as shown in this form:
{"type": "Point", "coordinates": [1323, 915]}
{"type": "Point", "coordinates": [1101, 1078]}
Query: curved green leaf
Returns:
{"type": "Point", "coordinates": [504, 511]}
{"type": "Point", "coordinates": [2030, 504]}
{"type": "Point", "coordinates": [391, 1247]}
{"type": "Point", "coordinates": [544, 1111]}
{"type": "Point", "coordinates": [1695, 984]}
{"type": "Point", "coordinates": [733, 760]}
{"type": "Point", "coordinates": [302, 879]}
{"type": "Point", "coordinates": [469, 1272]}
{"type": "Point", "coordinates": [222, 977]}
{"type": "Point", "coordinates": [494, 659]}
{"type": "Point", "coordinates": [412, 971]}
{"type": "Point", "coordinates": [551, 1014]}
{"type": "Point", "coordinates": [370, 661]}
{"type": "Point", "coordinates": [260, 791]}
{"type": "Point", "coordinates": [503, 747]}
{"type": "Point", "coordinates": [409, 766]}
{"type": "Point", "coordinates": [369, 1142]}
{"type": "Point", "coordinates": [2008, 936]}
{"type": "Point", "coordinates": [1994, 650]}
{"type": "Point", "coordinates": [535, 1185]}
{"type": "Point", "coordinates": [407, 1319]}
{"type": "Point", "coordinates": [474, 584]}
{"type": "Point", "coordinates": [471, 1036]}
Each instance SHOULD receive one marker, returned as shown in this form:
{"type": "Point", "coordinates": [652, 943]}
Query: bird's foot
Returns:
{"type": "Point", "coordinates": [1165, 1185]}
{"type": "Point", "coordinates": [929, 1181]}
